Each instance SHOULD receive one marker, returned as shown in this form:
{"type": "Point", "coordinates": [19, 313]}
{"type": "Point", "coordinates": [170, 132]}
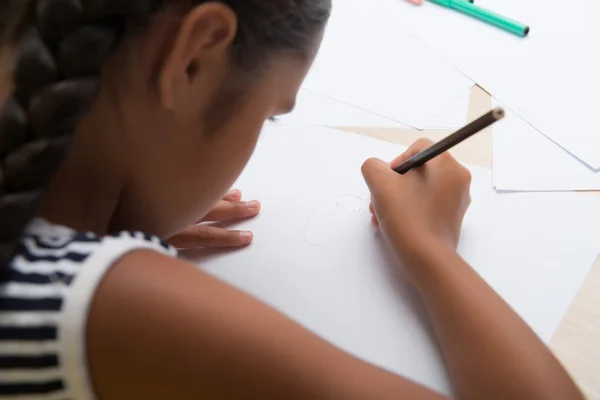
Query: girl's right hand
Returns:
{"type": "Point", "coordinates": [424, 207]}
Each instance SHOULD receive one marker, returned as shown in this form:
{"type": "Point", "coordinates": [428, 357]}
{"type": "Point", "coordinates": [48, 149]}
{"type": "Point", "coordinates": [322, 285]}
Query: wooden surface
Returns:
{"type": "Point", "coordinates": [577, 342]}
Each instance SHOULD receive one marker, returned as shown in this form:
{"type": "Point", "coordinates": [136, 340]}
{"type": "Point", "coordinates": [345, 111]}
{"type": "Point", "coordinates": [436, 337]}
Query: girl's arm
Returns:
{"type": "Point", "coordinates": [490, 352]}
{"type": "Point", "coordinates": [160, 328]}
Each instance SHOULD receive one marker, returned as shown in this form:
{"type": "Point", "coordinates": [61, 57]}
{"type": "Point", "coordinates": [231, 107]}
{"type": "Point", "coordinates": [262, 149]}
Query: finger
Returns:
{"type": "Point", "coordinates": [210, 236]}
{"type": "Point", "coordinates": [225, 211]}
{"type": "Point", "coordinates": [376, 174]}
{"type": "Point", "coordinates": [375, 221]}
{"type": "Point", "coordinates": [233, 196]}
{"type": "Point", "coordinates": [413, 150]}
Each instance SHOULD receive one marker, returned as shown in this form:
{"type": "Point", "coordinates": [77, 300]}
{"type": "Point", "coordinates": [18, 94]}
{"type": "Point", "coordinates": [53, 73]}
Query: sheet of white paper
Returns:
{"type": "Point", "coordinates": [379, 68]}
{"type": "Point", "coordinates": [314, 109]}
{"type": "Point", "coordinates": [525, 160]}
{"type": "Point", "coordinates": [549, 78]}
{"type": "Point", "coordinates": [317, 258]}
{"type": "Point", "coordinates": [454, 116]}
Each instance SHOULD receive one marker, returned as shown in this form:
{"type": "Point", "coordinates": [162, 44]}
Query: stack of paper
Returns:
{"type": "Point", "coordinates": [549, 79]}
{"type": "Point", "coordinates": [396, 65]}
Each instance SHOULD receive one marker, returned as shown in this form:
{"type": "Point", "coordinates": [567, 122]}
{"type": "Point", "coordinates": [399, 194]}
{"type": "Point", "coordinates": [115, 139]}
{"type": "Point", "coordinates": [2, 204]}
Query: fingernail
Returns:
{"type": "Point", "coordinates": [252, 205]}
{"type": "Point", "coordinates": [246, 237]}
{"type": "Point", "coordinates": [232, 194]}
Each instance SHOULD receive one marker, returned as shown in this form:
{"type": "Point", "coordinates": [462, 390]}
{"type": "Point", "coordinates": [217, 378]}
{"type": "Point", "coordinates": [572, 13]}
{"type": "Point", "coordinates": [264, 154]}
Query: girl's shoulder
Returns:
{"type": "Point", "coordinates": [51, 247]}
{"type": "Point", "coordinates": [45, 296]}
{"type": "Point", "coordinates": [49, 252]}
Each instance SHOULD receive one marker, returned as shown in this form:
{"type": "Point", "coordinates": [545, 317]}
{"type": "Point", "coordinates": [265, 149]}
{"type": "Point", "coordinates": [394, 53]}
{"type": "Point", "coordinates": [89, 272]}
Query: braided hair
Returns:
{"type": "Point", "coordinates": [59, 49]}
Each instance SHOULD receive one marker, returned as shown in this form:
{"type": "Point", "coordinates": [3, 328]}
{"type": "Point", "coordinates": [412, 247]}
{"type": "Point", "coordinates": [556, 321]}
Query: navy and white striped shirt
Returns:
{"type": "Point", "coordinates": [44, 305]}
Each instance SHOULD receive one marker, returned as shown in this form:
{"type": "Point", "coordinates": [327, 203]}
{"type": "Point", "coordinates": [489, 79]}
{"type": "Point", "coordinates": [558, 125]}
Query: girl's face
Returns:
{"type": "Point", "coordinates": [177, 121]}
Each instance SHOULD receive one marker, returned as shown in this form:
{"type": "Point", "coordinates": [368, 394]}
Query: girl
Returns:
{"type": "Point", "coordinates": [126, 121]}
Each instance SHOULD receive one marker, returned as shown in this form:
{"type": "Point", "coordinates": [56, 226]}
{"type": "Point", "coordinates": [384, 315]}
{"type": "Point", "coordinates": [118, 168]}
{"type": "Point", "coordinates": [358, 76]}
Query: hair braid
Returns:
{"type": "Point", "coordinates": [56, 80]}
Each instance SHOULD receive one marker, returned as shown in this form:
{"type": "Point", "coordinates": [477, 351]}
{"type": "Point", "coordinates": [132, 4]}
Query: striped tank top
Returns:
{"type": "Point", "coordinates": [44, 302]}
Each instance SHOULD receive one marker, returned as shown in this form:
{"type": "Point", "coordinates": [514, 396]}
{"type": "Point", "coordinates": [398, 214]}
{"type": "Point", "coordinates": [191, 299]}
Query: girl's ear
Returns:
{"type": "Point", "coordinates": [206, 33]}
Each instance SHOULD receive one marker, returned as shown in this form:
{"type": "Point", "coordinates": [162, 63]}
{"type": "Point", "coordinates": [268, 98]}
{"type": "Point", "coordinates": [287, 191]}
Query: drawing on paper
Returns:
{"type": "Point", "coordinates": [332, 218]}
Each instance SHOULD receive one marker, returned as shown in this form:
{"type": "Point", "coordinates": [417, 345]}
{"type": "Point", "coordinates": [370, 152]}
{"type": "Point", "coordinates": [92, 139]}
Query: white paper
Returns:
{"type": "Point", "coordinates": [379, 68]}
{"type": "Point", "coordinates": [526, 160]}
{"type": "Point", "coordinates": [314, 109]}
{"type": "Point", "coordinates": [455, 116]}
{"type": "Point", "coordinates": [317, 258]}
{"type": "Point", "coordinates": [549, 78]}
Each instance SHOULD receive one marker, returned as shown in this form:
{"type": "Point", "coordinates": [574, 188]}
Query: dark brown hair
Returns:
{"type": "Point", "coordinates": [60, 47]}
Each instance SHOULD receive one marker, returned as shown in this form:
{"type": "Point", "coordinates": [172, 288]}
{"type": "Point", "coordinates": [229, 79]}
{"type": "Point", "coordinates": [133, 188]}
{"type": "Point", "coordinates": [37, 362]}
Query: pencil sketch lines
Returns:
{"type": "Point", "coordinates": [332, 218]}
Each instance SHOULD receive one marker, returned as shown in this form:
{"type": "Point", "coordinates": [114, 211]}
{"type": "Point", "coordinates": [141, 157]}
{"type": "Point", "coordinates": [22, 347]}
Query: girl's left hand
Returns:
{"type": "Point", "coordinates": [202, 235]}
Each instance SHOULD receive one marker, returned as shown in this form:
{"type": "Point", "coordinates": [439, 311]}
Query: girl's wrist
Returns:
{"type": "Point", "coordinates": [423, 256]}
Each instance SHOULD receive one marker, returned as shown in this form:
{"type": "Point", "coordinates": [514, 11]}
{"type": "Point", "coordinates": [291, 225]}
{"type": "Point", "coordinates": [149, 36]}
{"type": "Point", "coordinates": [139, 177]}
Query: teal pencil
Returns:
{"type": "Point", "coordinates": [467, 7]}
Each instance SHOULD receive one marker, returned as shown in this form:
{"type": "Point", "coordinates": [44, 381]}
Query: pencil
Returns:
{"type": "Point", "coordinates": [446, 144]}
